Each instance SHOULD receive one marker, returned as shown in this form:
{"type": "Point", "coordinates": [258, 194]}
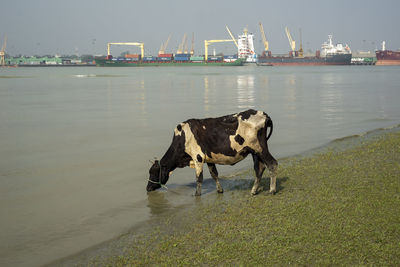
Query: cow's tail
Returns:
{"type": "Point", "coordinates": [270, 125]}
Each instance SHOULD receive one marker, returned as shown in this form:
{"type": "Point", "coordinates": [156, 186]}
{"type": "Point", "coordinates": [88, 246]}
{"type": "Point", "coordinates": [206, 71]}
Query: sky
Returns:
{"type": "Point", "coordinates": [39, 27]}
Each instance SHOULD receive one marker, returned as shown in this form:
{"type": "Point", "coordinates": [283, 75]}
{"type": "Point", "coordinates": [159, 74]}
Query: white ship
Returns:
{"type": "Point", "coordinates": [328, 49]}
{"type": "Point", "coordinates": [246, 47]}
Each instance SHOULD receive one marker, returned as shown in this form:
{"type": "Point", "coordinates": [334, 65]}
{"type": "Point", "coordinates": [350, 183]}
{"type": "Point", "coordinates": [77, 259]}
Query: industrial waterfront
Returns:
{"type": "Point", "coordinates": [329, 54]}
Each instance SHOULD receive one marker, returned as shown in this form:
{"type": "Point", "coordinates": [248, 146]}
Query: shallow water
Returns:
{"type": "Point", "coordinates": [76, 142]}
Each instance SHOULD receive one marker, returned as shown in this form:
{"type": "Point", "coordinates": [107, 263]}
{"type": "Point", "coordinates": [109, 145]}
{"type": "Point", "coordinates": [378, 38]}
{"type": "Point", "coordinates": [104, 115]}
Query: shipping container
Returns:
{"type": "Point", "coordinates": [182, 55]}
{"type": "Point", "coordinates": [194, 58]}
{"type": "Point", "coordinates": [164, 55]}
{"type": "Point", "coordinates": [164, 58]}
{"type": "Point", "coordinates": [181, 58]}
{"type": "Point", "coordinates": [132, 56]}
{"type": "Point", "coordinates": [212, 58]}
{"type": "Point", "coordinates": [231, 57]}
{"type": "Point", "coordinates": [149, 58]}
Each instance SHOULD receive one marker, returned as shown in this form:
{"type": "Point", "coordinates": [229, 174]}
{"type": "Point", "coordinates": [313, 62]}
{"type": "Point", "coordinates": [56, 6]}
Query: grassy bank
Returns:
{"type": "Point", "coordinates": [333, 208]}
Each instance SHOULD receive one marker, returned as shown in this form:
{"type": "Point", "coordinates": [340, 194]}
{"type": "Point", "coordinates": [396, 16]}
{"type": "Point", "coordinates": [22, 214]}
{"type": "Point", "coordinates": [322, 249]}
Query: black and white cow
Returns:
{"type": "Point", "coordinates": [225, 140]}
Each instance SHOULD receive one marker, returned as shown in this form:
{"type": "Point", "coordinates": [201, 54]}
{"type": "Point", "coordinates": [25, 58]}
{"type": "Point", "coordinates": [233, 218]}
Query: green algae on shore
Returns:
{"type": "Point", "coordinates": [332, 208]}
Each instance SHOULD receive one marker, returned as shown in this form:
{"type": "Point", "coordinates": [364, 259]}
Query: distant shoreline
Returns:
{"type": "Point", "coordinates": [48, 65]}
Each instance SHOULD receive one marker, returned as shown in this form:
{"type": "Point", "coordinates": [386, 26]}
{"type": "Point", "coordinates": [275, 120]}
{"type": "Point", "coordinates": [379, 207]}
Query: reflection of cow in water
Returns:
{"type": "Point", "coordinates": [224, 140]}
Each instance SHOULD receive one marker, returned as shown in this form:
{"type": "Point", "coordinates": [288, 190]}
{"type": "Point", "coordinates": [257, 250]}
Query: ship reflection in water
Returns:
{"type": "Point", "coordinates": [290, 97]}
{"type": "Point", "coordinates": [206, 93]}
{"type": "Point", "coordinates": [245, 91]}
{"type": "Point", "coordinates": [331, 99]}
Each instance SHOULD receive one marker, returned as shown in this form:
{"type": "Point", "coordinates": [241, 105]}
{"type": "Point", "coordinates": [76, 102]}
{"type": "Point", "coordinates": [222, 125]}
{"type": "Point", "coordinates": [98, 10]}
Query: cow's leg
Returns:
{"type": "Point", "coordinates": [259, 169]}
{"type": "Point", "coordinates": [214, 174]}
{"type": "Point", "coordinates": [199, 176]}
{"type": "Point", "coordinates": [272, 165]}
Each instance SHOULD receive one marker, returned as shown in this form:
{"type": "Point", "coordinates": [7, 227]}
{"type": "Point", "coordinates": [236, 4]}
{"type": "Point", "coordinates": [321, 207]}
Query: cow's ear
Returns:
{"type": "Point", "coordinates": [155, 161]}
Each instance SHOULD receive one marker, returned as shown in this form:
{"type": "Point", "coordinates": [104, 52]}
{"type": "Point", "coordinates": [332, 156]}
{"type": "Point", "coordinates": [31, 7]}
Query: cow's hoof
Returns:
{"type": "Point", "coordinates": [197, 194]}
{"type": "Point", "coordinates": [220, 191]}
{"type": "Point", "coordinates": [254, 192]}
{"type": "Point", "coordinates": [272, 192]}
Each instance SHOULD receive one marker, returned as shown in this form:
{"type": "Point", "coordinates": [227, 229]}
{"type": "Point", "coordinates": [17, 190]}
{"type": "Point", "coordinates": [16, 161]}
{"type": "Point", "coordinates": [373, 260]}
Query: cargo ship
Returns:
{"type": "Point", "coordinates": [167, 60]}
{"type": "Point", "coordinates": [246, 47]}
{"type": "Point", "coordinates": [329, 54]}
{"type": "Point", "coordinates": [387, 57]}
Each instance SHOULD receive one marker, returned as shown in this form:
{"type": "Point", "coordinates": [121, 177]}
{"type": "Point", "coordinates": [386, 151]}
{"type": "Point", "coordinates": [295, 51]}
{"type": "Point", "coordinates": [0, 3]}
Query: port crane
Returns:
{"type": "Point", "coordinates": [292, 43]}
{"type": "Point", "coordinates": [3, 52]}
{"type": "Point", "coordinates": [208, 42]}
{"type": "Point", "coordinates": [192, 48]}
{"type": "Point", "coordinates": [164, 45]}
{"type": "Point", "coordinates": [141, 45]}
{"type": "Point", "coordinates": [265, 42]}
{"type": "Point", "coordinates": [182, 48]}
{"type": "Point", "coordinates": [301, 52]}
{"type": "Point", "coordinates": [233, 38]}
{"type": "Point", "coordinates": [185, 50]}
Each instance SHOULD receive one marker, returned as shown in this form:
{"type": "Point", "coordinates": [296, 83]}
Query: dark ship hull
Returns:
{"type": "Point", "coordinates": [387, 57]}
{"type": "Point", "coordinates": [338, 59]}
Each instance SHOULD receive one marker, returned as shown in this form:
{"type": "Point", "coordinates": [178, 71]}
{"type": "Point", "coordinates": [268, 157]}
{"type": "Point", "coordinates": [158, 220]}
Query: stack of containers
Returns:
{"type": "Point", "coordinates": [215, 58]}
{"type": "Point", "coordinates": [164, 57]}
{"type": "Point", "coordinates": [132, 57]}
{"type": "Point", "coordinates": [182, 57]}
{"type": "Point", "coordinates": [230, 58]}
{"type": "Point", "coordinates": [149, 59]}
{"type": "Point", "coordinates": [196, 59]}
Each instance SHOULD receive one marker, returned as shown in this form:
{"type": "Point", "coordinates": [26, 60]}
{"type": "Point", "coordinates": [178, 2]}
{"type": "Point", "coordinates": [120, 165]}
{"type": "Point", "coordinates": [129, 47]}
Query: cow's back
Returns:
{"type": "Point", "coordinates": [223, 140]}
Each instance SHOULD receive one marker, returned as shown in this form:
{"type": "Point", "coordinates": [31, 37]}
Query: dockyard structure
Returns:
{"type": "Point", "coordinates": [34, 61]}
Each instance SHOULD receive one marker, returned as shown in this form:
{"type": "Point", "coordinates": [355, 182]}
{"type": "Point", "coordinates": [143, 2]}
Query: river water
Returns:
{"type": "Point", "coordinates": [75, 143]}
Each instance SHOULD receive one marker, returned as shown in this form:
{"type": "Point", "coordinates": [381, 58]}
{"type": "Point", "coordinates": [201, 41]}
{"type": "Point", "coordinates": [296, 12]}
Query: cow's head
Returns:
{"type": "Point", "coordinates": [158, 176]}
{"type": "Point", "coordinates": [154, 179]}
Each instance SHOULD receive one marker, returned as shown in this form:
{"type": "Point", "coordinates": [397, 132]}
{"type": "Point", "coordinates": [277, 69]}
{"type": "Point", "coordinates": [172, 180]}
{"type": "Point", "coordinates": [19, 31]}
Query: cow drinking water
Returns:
{"type": "Point", "coordinates": [225, 140]}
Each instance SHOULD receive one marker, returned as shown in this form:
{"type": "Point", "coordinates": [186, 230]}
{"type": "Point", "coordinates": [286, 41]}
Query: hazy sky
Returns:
{"type": "Point", "coordinates": [85, 26]}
